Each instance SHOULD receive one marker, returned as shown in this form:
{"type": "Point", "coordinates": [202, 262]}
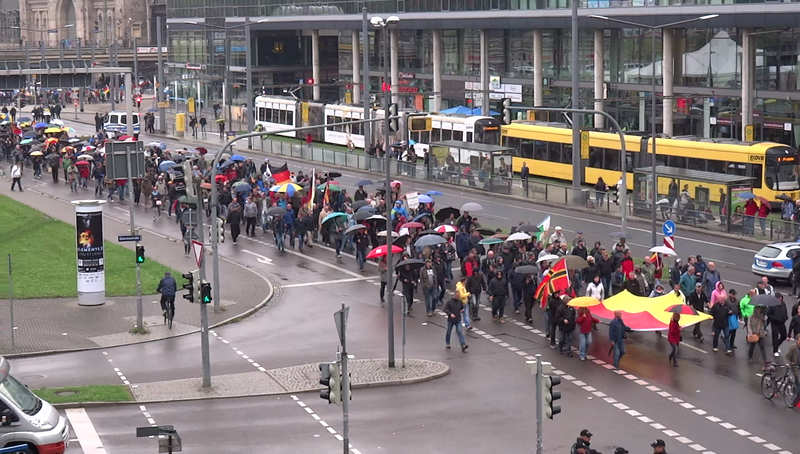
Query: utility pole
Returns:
{"type": "Point", "coordinates": [365, 78]}
{"type": "Point", "coordinates": [129, 120]}
{"type": "Point", "coordinates": [251, 114]}
{"type": "Point", "coordinates": [162, 112]}
{"type": "Point", "coordinates": [389, 201]}
{"type": "Point", "coordinates": [340, 317]}
{"type": "Point", "coordinates": [577, 119]}
{"type": "Point", "coordinates": [135, 62]}
{"type": "Point", "coordinates": [204, 347]}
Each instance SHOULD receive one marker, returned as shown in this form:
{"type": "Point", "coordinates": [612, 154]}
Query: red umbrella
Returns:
{"type": "Point", "coordinates": [82, 163]}
{"type": "Point", "coordinates": [124, 137]}
{"type": "Point", "coordinates": [445, 229]}
{"type": "Point", "coordinates": [380, 251]}
{"type": "Point", "coordinates": [201, 150]}
{"type": "Point", "coordinates": [413, 225]}
{"type": "Point", "coordinates": [683, 309]}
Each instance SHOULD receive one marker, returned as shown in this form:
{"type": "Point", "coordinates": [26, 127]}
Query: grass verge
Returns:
{"type": "Point", "coordinates": [43, 257]}
{"type": "Point", "coordinates": [91, 393]}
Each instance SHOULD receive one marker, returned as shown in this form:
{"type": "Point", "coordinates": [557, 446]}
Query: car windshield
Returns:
{"type": "Point", "coordinates": [769, 252]}
{"type": "Point", "coordinates": [19, 395]}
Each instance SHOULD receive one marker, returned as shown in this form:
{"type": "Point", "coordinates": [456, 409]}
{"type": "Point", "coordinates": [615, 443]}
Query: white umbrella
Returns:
{"type": "Point", "coordinates": [403, 231]}
{"type": "Point", "coordinates": [471, 207]}
{"type": "Point", "coordinates": [445, 229]}
{"type": "Point", "coordinates": [548, 258]}
{"type": "Point", "coordinates": [86, 157]}
{"type": "Point", "coordinates": [664, 250]}
{"type": "Point", "coordinates": [57, 122]}
{"type": "Point", "coordinates": [382, 233]}
{"type": "Point", "coordinates": [518, 236]}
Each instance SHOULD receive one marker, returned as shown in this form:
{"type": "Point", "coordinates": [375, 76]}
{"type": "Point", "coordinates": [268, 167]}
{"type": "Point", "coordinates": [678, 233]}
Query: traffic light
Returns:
{"type": "Point", "coordinates": [331, 377]}
{"type": "Point", "coordinates": [139, 254]}
{"type": "Point", "coordinates": [192, 286]}
{"type": "Point", "coordinates": [506, 110]}
{"type": "Point", "coordinates": [179, 182]}
{"type": "Point", "coordinates": [393, 123]}
{"type": "Point", "coordinates": [549, 394]}
{"type": "Point", "coordinates": [205, 293]}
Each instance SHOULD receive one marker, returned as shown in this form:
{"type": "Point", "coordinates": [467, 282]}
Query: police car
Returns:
{"type": "Point", "coordinates": [775, 260]}
{"type": "Point", "coordinates": [115, 124]}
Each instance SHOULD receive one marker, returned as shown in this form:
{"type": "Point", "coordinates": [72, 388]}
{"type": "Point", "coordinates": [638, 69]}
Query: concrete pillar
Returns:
{"type": "Point", "coordinates": [599, 77]}
{"type": "Point", "coordinates": [748, 62]}
{"type": "Point", "coordinates": [538, 86]}
{"type": "Point", "coordinates": [642, 112]}
{"type": "Point", "coordinates": [356, 68]}
{"type": "Point", "coordinates": [667, 72]}
{"type": "Point", "coordinates": [437, 70]}
{"type": "Point", "coordinates": [613, 56]}
{"type": "Point", "coordinates": [394, 40]}
{"type": "Point", "coordinates": [484, 72]}
{"type": "Point", "coordinates": [315, 72]}
{"type": "Point", "coordinates": [706, 118]}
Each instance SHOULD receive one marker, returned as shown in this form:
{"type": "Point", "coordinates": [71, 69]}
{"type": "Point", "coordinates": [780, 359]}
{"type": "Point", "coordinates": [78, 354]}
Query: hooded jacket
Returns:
{"type": "Point", "coordinates": [719, 295]}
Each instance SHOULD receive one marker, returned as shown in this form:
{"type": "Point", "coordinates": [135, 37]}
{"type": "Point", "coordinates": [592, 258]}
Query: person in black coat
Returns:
{"type": "Point", "coordinates": [553, 303]}
{"type": "Point", "coordinates": [720, 312]}
{"type": "Point", "coordinates": [475, 285]}
{"type": "Point", "coordinates": [698, 300]}
{"type": "Point", "coordinates": [498, 294]}
{"type": "Point", "coordinates": [529, 285]}
{"type": "Point", "coordinates": [777, 316]}
{"type": "Point", "coordinates": [565, 320]}
{"type": "Point", "coordinates": [409, 279]}
{"type": "Point", "coordinates": [517, 281]}
{"type": "Point", "coordinates": [453, 309]}
{"type": "Point", "coordinates": [794, 325]}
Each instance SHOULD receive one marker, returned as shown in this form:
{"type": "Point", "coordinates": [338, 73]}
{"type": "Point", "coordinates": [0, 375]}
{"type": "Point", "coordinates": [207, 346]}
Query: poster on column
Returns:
{"type": "Point", "coordinates": [91, 260]}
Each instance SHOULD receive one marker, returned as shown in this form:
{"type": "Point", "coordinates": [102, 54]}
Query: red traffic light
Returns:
{"type": "Point", "coordinates": [310, 81]}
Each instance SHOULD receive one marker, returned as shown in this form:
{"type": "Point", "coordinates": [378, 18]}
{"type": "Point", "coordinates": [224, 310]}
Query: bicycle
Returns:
{"type": "Point", "coordinates": [771, 385]}
{"type": "Point", "coordinates": [169, 314]}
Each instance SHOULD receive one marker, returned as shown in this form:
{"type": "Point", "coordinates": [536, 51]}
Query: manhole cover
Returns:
{"type": "Point", "coordinates": [32, 377]}
{"type": "Point", "coordinates": [66, 393]}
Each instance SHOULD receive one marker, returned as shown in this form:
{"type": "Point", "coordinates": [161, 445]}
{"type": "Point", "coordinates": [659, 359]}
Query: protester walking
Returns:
{"type": "Point", "coordinates": [453, 308]}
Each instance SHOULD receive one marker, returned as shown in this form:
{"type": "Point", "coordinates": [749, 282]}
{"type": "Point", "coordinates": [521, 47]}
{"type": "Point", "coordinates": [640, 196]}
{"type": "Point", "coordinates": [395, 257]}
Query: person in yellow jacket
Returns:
{"type": "Point", "coordinates": [463, 295]}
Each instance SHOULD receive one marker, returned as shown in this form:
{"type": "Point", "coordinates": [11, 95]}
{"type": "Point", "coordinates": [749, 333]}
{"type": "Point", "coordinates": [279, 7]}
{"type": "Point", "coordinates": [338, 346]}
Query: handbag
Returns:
{"type": "Point", "coordinates": [752, 338]}
{"type": "Point", "coordinates": [733, 322]}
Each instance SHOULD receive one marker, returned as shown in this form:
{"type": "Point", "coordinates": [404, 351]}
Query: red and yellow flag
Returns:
{"type": "Point", "coordinates": [556, 279]}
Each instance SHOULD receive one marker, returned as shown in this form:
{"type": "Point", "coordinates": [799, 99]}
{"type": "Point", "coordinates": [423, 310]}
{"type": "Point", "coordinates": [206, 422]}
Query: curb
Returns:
{"type": "Point", "coordinates": [410, 381]}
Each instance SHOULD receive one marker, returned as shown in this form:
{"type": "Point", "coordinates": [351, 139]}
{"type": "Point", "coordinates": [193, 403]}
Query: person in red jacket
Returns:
{"type": "Point", "coordinates": [674, 338]}
{"type": "Point", "coordinates": [584, 322]}
{"type": "Point", "coordinates": [750, 211]}
{"type": "Point", "coordinates": [763, 212]}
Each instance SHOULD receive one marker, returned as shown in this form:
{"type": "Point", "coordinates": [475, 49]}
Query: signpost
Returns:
{"type": "Point", "coordinates": [197, 248]}
{"type": "Point", "coordinates": [340, 317]}
{"type": "Point", "coordinates": [124, 238]}
{"type": "Point", "coordinates": [668, 229]}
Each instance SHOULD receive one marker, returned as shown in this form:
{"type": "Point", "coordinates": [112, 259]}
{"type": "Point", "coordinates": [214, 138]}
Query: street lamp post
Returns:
{"type": "Point", "coordinates": [653, 173]}
{"type": "Point", "coordinates": [384, 26]}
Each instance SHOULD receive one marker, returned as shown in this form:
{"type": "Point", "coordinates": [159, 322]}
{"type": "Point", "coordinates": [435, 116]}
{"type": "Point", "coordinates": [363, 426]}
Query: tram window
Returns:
{"type": "Point", "coordinates": [540, 151]}
{"type": "Point", "coordinates": [697, 164]}
{"type": "Point", "coordinates": [757, 171]}
{"type": "Point", "coordinates": [629, 162]}
{"type": "Point", "coordinates": [329, 121]}
{"type": "Point", "coordinates": [553, 152]}
{"type": "Point", "coordinates": [512, 142]}
{"type": "Point", "coordinates": [447, 134]}
{"type": "Point", "coordinates": [526, 148]}
{"type": "Point", "coordinates": [261, 113]}
{"type": "Point", "coordinates": [469, 137]}
{"type": "Point", "coordinates": [676, 161]}
{"type": "Point", "coordinates": [282, 117]}
{"type": "Point", "coordinates": [566, 153]}
{"type": "Point", "coordinates": [610, 159]}
{"type": "Point", "coordinates": [289, 117]}
{"type": "Point", "coordinates": [436, 134]}
{"type": "Point", "coordinates": [596, 157]}
{"type": "Point", "coordinates": [735, 168]}
{"type": "Point", "coordinates": [459, 135]}
{"type": "Point", "coordinates": [715, 166]}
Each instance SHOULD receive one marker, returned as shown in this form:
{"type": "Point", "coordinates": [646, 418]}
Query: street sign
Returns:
{"type": "Point", "coordinates": [123, 238]}
{"type": "Point", "coordinates": [197, 248]}
{"type": "Point", "coordinates": [340, 317]}
{"type": "Point", "coordinates": [668, 229]}
{"type": "Point", "coordinates": [189, 217]}
{"type": "Point", "coordinates": [163, 104]}
{"type": "Point", "coordinates": [117, 160]}
{"type": "Point", "coordinates": [669, 242]}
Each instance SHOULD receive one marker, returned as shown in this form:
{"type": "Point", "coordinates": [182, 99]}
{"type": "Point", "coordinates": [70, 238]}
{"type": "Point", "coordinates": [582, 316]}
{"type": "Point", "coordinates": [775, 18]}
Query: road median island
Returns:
{"type": "Point", "coordinates": [90, 393]}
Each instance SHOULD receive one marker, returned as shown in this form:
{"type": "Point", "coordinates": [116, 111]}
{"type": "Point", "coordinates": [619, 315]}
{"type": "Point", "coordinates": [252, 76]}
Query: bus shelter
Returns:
{"type": "Point", "coordinates": [687, 196]}
{"type": "Point", "coordinates": [472, 164]}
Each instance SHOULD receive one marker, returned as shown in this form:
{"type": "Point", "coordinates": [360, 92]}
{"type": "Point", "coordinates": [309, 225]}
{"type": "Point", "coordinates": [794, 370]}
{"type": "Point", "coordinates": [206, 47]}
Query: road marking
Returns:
{"type": "Point", "coordinates": [259, 257]}
{"type": "Point", "coordinates": [693, 347]}
{"type": "Point", "coordinates": [85, 431]}
{"type": "Point", "coordinates": [335, 281]}
{"type": "Point", "coordinates": [330, 429]}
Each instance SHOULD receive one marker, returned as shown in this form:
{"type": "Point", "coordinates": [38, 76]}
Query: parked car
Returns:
{"type": "Point", "coordinates": [775, 260]}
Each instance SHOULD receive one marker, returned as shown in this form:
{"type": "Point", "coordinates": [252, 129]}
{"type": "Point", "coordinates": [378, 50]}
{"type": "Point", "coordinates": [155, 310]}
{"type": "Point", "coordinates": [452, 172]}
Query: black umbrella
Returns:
{"type": "Point", "coordinates": [332, 175]}
{"type": "Point", "coordinates": [364, 183]}
{"type": "Point", "coordinates": [765, 300]}
{"type": "Point", "coordinates": [428, 232]}
{"type": "Point", "coordinates": [276, 212]}
{"type": "Point", "coordinates": [362, 216]}
{"type": "Point", "coordinates": [445, 213]}
{"type": "Point", "coordinates": [527, 269]}
{"type": "Point", "coordinates": [352, 230]}
{"type": "Point", "coordinates": [401, 240]}
{"type": "Point", "coordinates": [358, 204]}
{"type": "Point", "coordinates": [784, 197]}
{"type": "Point", "coordinates": [485, 231]}
{"type": "Point", "coordinates": [527, 228]}
{"type": "Point", "coordinates": [429, 240]}
{"type": "Point", "coordinates": [415, 263]}
{"type": "Point", "coordinates": [619, 235]}
{"type": "Point", "coordinates": [368, 209]}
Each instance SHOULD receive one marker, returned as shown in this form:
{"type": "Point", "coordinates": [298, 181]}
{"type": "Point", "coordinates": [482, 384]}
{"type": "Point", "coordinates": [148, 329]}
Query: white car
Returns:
{"type": "Point", "coordinates": [775, 260]}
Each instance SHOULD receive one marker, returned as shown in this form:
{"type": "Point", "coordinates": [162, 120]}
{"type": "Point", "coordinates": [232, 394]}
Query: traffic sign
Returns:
{"type": "Point", "coordinates": [668, 229]}
{"type": "Point", "coordinates": [197, 248]}
{"type": "Point", "coordinates": [123, 238]}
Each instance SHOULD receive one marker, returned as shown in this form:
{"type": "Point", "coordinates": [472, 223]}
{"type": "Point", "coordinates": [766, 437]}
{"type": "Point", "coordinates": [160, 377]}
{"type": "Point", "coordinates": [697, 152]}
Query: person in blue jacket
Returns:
{"type": "Point", "coordinates": [617, 336]}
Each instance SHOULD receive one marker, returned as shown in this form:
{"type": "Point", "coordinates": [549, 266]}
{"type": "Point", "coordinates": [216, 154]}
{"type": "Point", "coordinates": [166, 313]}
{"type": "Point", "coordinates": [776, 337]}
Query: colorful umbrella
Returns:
{"type": "Point", "coordinates": [53, 130]}
{"type": "Point", "coordinates": [40, 125]}
{"type": "Point", "coordinates": [445, 229]}
{"type": "Point", "coordinates": [238, 158]}
{"type": "Point", "coordinates": [37, 153]}
{"type": "Point", "coordinates": [583, 301]}
{"type": "Point", "coordinates": [338, 214]}
{"type": "Point", "coordinates": [286, 188]}
{"type": "Point", "coordinates": [166, 165]}
{"type": "Point", "coordinates": [683, 309]}
{"type": "Point", "coordinates": [26, 142]}
{"type": "Point", "coordinates": [68, 130]}
{"type": "Point", "coordinates": [490, 240]}
{"type": "Point", "coordinates": [381, 251]}
{"type": "Point", "coordinates": [50, 141]}
{"type": "Point", "coordinates": [82, 163]}
{"type": "Point", "coordinates": [332, 186]}
{"type": "Point", "coordinates": [433, 193]}
{"type": "Point", "coordinates": [364, 183]}
{"type": "Point", "coordinates": [424, 199]}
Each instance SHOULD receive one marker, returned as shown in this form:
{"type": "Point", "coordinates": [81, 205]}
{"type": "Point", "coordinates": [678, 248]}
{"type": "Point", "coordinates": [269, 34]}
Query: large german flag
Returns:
{"type": "Point", "coordinates": [281, 174]}
{"type": "Point", "coordinates": [556, 279]}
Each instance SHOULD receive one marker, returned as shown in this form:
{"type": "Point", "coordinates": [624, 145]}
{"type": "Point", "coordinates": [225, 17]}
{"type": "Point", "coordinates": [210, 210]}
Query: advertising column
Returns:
{"type": "Point", "coordinates": [90, 255]}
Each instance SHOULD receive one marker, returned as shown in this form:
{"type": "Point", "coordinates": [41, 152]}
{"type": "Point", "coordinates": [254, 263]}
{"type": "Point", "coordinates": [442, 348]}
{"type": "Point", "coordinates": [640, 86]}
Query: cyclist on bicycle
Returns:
{"type": "Point", "coordinates": [167, 287]}
{"type": "Point", "coordinates": [793, 359]}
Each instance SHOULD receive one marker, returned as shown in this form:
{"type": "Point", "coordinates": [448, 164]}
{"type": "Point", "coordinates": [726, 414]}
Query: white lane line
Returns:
{"type": "Point", "coordinates": [313, 259]}
{"type": "Point", "coordinates": [85, 431]}
{"type": "Point", "coordinates": [693, 347]}
{"type": "Point", "coordinates": [335, 281]}
{"type": "Point", "coordinates": [327, 426]}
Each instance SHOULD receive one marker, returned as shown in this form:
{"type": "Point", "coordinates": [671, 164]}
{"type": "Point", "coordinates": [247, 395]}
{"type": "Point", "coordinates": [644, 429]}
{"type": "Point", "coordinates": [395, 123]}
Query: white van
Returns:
{"type": "Point", "coordinates": [28, 420]}
{"type": "Point", "coordinates": [116, 124]}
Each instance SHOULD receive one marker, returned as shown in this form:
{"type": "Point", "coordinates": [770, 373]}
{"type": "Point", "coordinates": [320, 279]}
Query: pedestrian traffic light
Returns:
{"type": "Point", "coordinates": [549, 394]}
{"type": "Point", "coordinates": [393, 123]}
{"type": "Point", "coordinates": [139, 254]}
{"type": "Point", "coordinates": [506, 110]}
{"type": "Point", "coordinates": [331, 377]}
{"type": "Point", "coordinates": [192, 286]}
{"type": "Point", "coordinates": [205, 293]}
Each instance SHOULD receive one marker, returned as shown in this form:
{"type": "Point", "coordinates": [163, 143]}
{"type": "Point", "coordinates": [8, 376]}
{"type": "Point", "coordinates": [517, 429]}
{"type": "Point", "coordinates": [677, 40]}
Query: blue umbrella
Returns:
{"type": "Point", "coordinates": [166, 165]}
{"type": "Point", "coordinates": [237, 157]}
{"type": "Point", "coordinates": [364, 183]}
{"type": "Point", "coordinates": [425, 199]}
{"type": "Point", "coordinates": [227, 164]}
{"type": "Point", "coordinates": [433, 193]}
{"type": "Point", "coordinates": [334, 216]}
{"type": "Point", "coordinates": [420, 216]}
{"type": "Point", "coordinates": [30, 134]}
{"type": "Point", "coordinates": [745, 195]}
{"type": "Point", "coordinates": [40, 125]}
{"type": "Point", "coordinates": [367, 208]}
{"type": "Point", "coordinates": [242, 188]}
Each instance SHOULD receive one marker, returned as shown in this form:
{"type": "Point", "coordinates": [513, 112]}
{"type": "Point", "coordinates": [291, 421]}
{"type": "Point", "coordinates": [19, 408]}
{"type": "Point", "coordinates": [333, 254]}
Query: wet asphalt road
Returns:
{"type": "Point", "coordinates": [485, 404]}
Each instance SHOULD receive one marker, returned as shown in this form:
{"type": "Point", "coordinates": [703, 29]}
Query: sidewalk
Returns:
{"type": "Point", "coordinates": [53, 325]}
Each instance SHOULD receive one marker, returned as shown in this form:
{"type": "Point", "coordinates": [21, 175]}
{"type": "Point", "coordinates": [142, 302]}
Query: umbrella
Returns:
{"type": "Point", "coordinates": [785, 198]}
{"type": "Point", "coordinates": [225, 156]}
{"type": "Point", "coordinates": [745, 195]}
{"type": "Point", "coordinates": [334, 174]}
{"type": "Point", "coordinates": [501, 236]}
{"type": "Point", "coordinates": [364, 183]}
{"type": "Point", "coordinates": [334, 216]}
{"type": "Point", "coordinates": [367, 209]}
{"type": "Point", "coordinates": [220, 120]}
{"type": "Point", "coordinates": [619, 235]}
{"type": "Point", "coordinates": [527, 269]}
{"type": "Point", "coordinates": [433, 193]}
{"type": "Point", "coordinates": [765, 300]}
{"type": "Point", "coordinates": [490, 240]}
{"type": "Point", "coordinates": [82, 163]}
{"type": "Point", "coordinates": [286, 188]}
{"type": "Point", "coordinates": [331, 186]}
{"type": "Point", "coordinates": [226, 164]}
{"type": "Point", "coordinates": [376, 217]}
{"type": "Point", "coordinates": [381, 251]}
{"type": "Point", "coordinates": [201, 150]}
{"type": "Point", "coordinates": [763, 200]}
{"type": "Point", "coordinates": [415, 263]}
{"type": "Point", "coordinates": [89, 148]}
{"type": "Point", "coordinates": [37, 153]}
{"type": "Point", "coordinates": [86, 157]}
{"type": "Point", "coordinates": [575, 262]}
{"type": "Point", "coordinates": [24, 119]}
{"type": "Point", "coordinates": [413, 225]}
{"type": "Point", "coordinates": [74, 140]}
{"type": "Point", "coordinates": [157, 145]}
{"type": "Point", "coordinates": [663, 250]}
{"type": "Point", "coordinates": [518, 236]}
{"type": "Point", "coordinates": [485, 231]}
{"type": "Point", "coordinates": [427, 232]}
{"type": "Point", "coordinates": [683, 309]}
{"type": "Point", "coordinates": [30, 135]}
{"type": "Point", "coordinates": [26, 141]}
{"type": "Point", "coordinates": [445, 229]}
{"type": "Point", "coordinates": [527, 228]}
{"type": "Point", "coordinates": [429, 240]}
{"type": "Point", "coordinates": [424, 199]}
{"type": "Point", "coordinates": [547, 258]}
{"type": "Point", "coordinates": [69, 130]}
{"type": "Point", "coordinates": [122, 137]}
{"type": "Point", "coordinates": [166, 165]}
{"type": "Point", "coordinates": [445, 213]}
{"type": "Point", "coordinates": [276, 212]}
{"type": "Point", "coordinates": [358, 204]}
{"type": "Point", "coordinates": [242, 188]}
{"type": "Point", "coordinates": [39, 125]}
{"type": "Point", "coordinates": [53, 130]}
{"type": "Point", "coordinates": [420, 216]}
{"type": "Point", "coordinates": [57, 122]}
{"type": "Point", "coordinates": [471, 206]}
{"type": "Point", "coordinates": [396, 183]}
{"type": "Point", "coordinates": [238, 157]}
{"type": "Point", "coordinates": [361, 216]}
{"type": "Point", "coordinates": [583, 301]}
{"type": "Point", "coordinates": [354, 229]}
{"type": "Point", "coordinates": [382, 233]}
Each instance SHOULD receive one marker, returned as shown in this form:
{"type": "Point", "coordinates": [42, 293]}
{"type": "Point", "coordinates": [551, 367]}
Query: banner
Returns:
{"type": "Point", "coordinates": [89, 241]}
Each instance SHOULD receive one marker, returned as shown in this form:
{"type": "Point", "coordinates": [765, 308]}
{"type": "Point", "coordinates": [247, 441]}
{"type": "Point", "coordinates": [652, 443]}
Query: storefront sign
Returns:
{"type": "Point", "coordinates": [150, 50]}
{"type": "Point", "coordinates": [499, 91]}
{"type": "Point", "coordinates": [408, 76]}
